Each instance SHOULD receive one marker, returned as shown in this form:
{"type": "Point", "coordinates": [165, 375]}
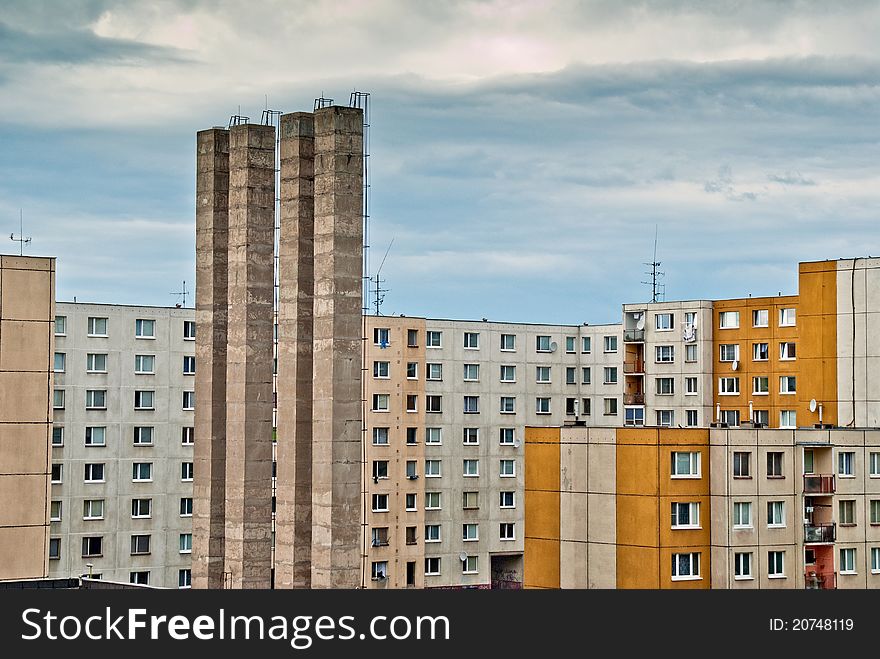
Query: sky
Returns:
{"type": "Point", "coordinates": [523, 152]}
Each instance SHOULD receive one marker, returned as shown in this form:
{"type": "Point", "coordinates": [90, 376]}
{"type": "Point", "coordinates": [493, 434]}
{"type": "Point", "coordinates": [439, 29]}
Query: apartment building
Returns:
{"type": "Point", "coordinates": [122, 443]}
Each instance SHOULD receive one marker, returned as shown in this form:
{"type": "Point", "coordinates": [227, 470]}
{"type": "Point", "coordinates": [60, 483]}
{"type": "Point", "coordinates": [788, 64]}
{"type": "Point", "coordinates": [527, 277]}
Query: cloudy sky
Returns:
{"type": "Point", "coordinates": [522, 153]}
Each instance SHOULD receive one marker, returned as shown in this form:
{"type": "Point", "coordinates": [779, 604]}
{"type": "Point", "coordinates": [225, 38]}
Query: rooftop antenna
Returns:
{"type": "Point", "coordinates": [379, 291]}
{"type": "Point", "coordinates": [182, 293]}
{"type": "Point", "coordinates": [323, 102]}
{"type": "Point", "coordinates": [238, 119]}
{"type": "Point", "coordinates": [21, 240]}
{"type": "Point", "coordinates": [658, 290]}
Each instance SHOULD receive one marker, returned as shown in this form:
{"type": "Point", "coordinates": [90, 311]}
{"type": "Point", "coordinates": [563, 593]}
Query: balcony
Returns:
{"type": "Point", "coordinates": [633, 399]}
{"type": "Point", "coordinates": [633, 336]}
{"type": "Point", "coordinates": [820, 532]}
{"type": "Point", "coordinates": [637, 366]}
{"type": "Point", "coordinates": [818, 484]}
{"type": "Point", "coordinates": [820, 580]}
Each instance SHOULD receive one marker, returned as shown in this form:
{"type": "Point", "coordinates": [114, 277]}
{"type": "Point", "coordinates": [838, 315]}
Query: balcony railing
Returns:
{"type": "Point", "coordinates": [633, 399]}
{"type": "Point", "coordinates": [820, 580]}
{"type": "Point", "coordinates": [820, 532]}
{"type": "Point", "coordinates": [818, 484]}
{"type": "Point", "coordinates": [633, 336]}
{"type": "Point", "coordinates": [634, 367]}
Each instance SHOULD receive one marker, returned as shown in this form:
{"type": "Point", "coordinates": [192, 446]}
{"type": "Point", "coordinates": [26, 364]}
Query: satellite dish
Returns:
{"type": "Point", "coordinates": [813, 405]}
{"type": "Point", "coordinates": [462, 557]}
{"type": "Point", "coordinates": [553, 346]}
{"type": "Point", "coordinates": [734, 365]}
{"type": "Point", "coordinates": [517, 443]}
{"type": "Point", "coordinates": [640, 325]}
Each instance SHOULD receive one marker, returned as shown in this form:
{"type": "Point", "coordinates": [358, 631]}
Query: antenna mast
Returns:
{"type": "Point", "coordinates": [658, 290]}
{"type": "Point", "coordinates": [182, 293]}
{"type": "Point", "coordinates": [21, 240]}
{"type": "Point", "coordinates": [379, 291]}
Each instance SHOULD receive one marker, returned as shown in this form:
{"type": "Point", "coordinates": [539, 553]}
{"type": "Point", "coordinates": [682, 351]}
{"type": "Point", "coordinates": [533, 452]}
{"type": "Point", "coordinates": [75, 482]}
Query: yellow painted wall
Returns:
{"type": "Point", "coordinates": [541, 540]}
{"type": "Point", "coordinates": [818, 329]}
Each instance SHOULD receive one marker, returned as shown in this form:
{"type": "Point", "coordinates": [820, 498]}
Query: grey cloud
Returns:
{"type": "Point", "coordinates": [790, 178]}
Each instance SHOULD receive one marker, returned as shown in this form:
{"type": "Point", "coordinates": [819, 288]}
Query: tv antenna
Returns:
{"type": "Point", "coordinates": [658, 290]}
{"type": "Point", "coordinates": [181, 294]}
{"type": "Point", "coordinates": [21, 240]}
{"type": "Point", "coordinates": [379, 291]}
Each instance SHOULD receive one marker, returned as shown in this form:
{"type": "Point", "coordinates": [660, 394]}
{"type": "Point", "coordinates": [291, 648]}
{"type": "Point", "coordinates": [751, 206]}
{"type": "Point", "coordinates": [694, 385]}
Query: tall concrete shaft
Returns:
{"type": "Point", "coordinates": [293, 490]}
{"type": "Point", "coordinates": [209, 487]}
{"type": "Point", "coordinates": [249, 357]}
{"type": "Point", "coordinates": [336, 427]}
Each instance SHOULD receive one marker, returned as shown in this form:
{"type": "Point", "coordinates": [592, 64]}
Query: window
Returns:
{"type": "Point", "coordinates": [58, 436]}
{"type": "Point", "coordinates": [685, 515]}
{"type": "Point", "coordinates": [691, 418]}
{"type": "Point", "coordinates": [634, 416]}
{"type": "Point", "coordinates": [666, 418]}
{"type": "Point", "coordinates": [507, 468]}
{"type": "Point", "coordinates": [665, 386]}
{"type": "Point", "coordinates": [761, 417]}
{"type": "Point", "coordinates": [760, 318]}
{"type": "Point", "coordinates": [412, 403]}
{"type": "Point", "coordinates": [140, 544]}
{"type": "Point", "coordinates": [432, 533]}
{"type": "Point", "coordinates": [742, 464]}
{"type": "Point", "coordinates": [96, 436]}
{"type": "Point", "coordinates": [470, 500]}
{"type": "Point", "coordinates": [380, 402]}
{"type": "Point", "coordinates": [94, 509]}
{"type": "Point", "coordinates": [506, 531]}
{"type": "Point", "coordinates": [470, 532]}
{"type": "Point", "coordinates": [610, 405]}
{"type": "Point", "coordinates": [434, 371]}
{"type": "Point", "coordinates": [184, 578]}
{"type": "Point", "coordinates": [610, 375]}
{"type": "Point", "coordinates": [58, 399]}
{"type": "Point", "coordinates": [96, 363]}
{"type": "Point", "coordinates": [432, 566]}
{"type": "Point", "coordinates": [665, 354]}
{"type": "Point", "coordinates": [760, 385]}
{"type": "Point", "coordinates": [144, 329]}
{"type": "Point", "coordinates": [381, 336]}
{"type": "Point", "coordinates": [59, 362]}
{"type": "Point", "coordinates": [686, 464]}
{"type": "Point", "coordinates": [97, 327]}
{"type": "Point", "coordinates": [788, 419]}
{"type": "Point", "coordinates": [760, 352]}
{"type": "Point", "coordinates": [542, 374]}
{"type": "Point", "coordinates": [186, 471]}
{"type": "Point", "coordinates": [471, 467]}
{"type": "Point", "coordinates": [874, 464]}
{"type": "Point", "coordinates": [433, 436]}
{"type": "Point", "coordinates": [412, 435]}
{"type": "Point", "coordinates": [848, 560]}
{"type": "Point", "coordinates": [730, 417]}
{"type": "Point", "coordinates": [412, 370]}
{"type": "Point", "coordinates": [542, 343]}
{"type": "Point", "coordinates": [54, 549]}
{"type": "Point", "coordinates": [847, 512]}
{"type": "Point", "coordinates": [432, 501]}
{"type": "Point", "coordinates": [875, 560]}
{"type": "Point", "coordinates": [787, 384]}
{"type": "Point", "coordinates": [508, 342]}
{"type": "Point", "coordinates": [571, 406]}
{"type": "Point", "coordinates": [663, 321]}
{"type": "Point", "coordinates": [411, 535]}
{"type": "Point", "coordinates": [186, 506]}
{"type": "Point", "coordinates": [471, 436]}
{"type": "Point", "coordinates": [96, 399]}
{"type": "Point", "coordinates": [141, 577]}
{"type": "Point", "coordinates": [469, 565]}
{"type": "Point", "coordinates": [775, 564]}
{"type": "Point", "coordinates": [432, 468]}
{"type": "Point", "coordinates": [586, 344]}
{"type": "Point", "coordinates": [411, 471]}
{"type": "Point", "coordinates": [728, 319]}
{"type": "Point", "coordinates": [809, 461]}
{"type": "Point", "coordinates": [379, 536]}
{"type": "Point", "coordinates": [774, 464]}
{"type": "Point", "coordinates": [433, 338]}
{"type": "Point", "coordinates": [381, 369]}
{"type": "Point", "coordinates": [56, 472]}
{"type": "Point", "coordinates": [586, 375]}
{"type": "Point", "coordinates": [145, 364]}
{"type": "Point", "coordinates": [92, 546]}
{"type": "Point", "coordinates": [55, 511]}
{"type": "Point", "coordinates": [610, 344]}
{"type": "Point", "coordinates": [189, 365]}
{"type": "Point", "coordinates": [686, 566]}
{"type": "Point", "coordinates": [775, 514]}
{"type": "Point", "coordinates": [60, 325]}
{"type": "Point", "coordinates": [380, 469]}
{"type": "Point", "coordinates": [742, 565]}
{"type": "Point", "coordinates": [412, 338]}
{"type": "Point", "coordinates": [471, 404]}
{"type": "Point", "coordinates": [729, 352]}
{"type": "Point", "coordinates": [542, 405]}
{"type": "Point", "coordinates": [570, 343]}
{"type": "Point", "coordinates": [787, 350]}
{"type": "Point", "coordinates": [410, 501]}
{"type": "Point", "coordinates": [507, 500]}
{"type": "Point", "coordinates": [728, 386]}
{"type": "Point", "coordinates": [742, 515]}
{"type": "Point", "coordinates": [875, 511]}
{"type": "Point", "coordinates": [380, 503]}
{"type": "Point", "coordinates": [94, 472]}
{"type": "Point", "coordinates": [380, 436]}
{"type": "Point", "coordinates": [189, 400]}
{"type": "Point", "coordinates": [143, 400]}
{"type": "Point", "coordinates": [846, 464]}
{"type": "Point", "coordinates": [187, 435]}
{"type": "Point", "coordinates": [508, 405]}
{"type": "Point", "coordinates": [189, 330]}
{"type": "Point", "coordinates": [690, 353]}
{"type": "Point", "coordinates": [472, 340]}
{"type": "Point", "coordinates": [508, 373]}
{"type": "Point", "coordinates": [434, 404]}
{"type": "Point", "coordinates": [570, 375]}
{"type": "Point", "coordinates": [185, 543]}
{"type": "Point", "coordinates": [142, 471]}
{"type": "Point", "coordinates": [787, 317]}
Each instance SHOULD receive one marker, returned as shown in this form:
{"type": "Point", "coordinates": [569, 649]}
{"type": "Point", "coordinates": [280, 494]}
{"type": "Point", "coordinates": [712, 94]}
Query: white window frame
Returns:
{"type": "Point", "coordinates": [508, 373]}
{"type": "Point", "coordinates": [140, 324]}
{"type": "Point", "coordinates": [759, 380]}
{"type": "Point", "coordinates": [691, 390]}
{"type": "Point", "coordinates": [381, 370]}
{"type": "Point", "coordinates": [430, 433]}
{"type": "Point", "coordinates": [471, 341]}
{"type": "Point", "coordinates": [694, 464]}
{"type": "Point", "coordinates": [470, 462]}
{"type": "Point", "coordinates": [502, 407]}
{"type": "Point", "coordinates": [728, 320]}
{"type": "Point", "coordinates": [503, 464]}
{"type": "Point", "coordinates": [724, 351]}
{"type": "Point", "coordinates": [787, 384]}
{"type": "Point", "coordinates": [92, 327]}
{"type": "Point", "coordinates": [433, 468]}
{"type": "Point", "coordinates": [378, 435]}
{"type": "Point", "coordinates": [784, 351]}
{"type": "Point", "coordinates": [508, 339]}
{"type": "Point", "coordinates": [741, 515]}
{"type": "Point", "coordinates": [788, 418]}
{"type": "Point", "coordinates": [664, 322]}
{"type": "Point", "coordinates": [378, 400]}
{"type": "Point", "coordinates": [758, 315]}
{"type": "Point", "coordinates": [773, 519]}
{"type": "Point", "coordinates": [90, 436]}
{"type": "Point", "coordinates": [846, 464]}
{"type": "Point", "coordinates": [664, 354]}
{"type": "Point", "coordinates": [724, 386]}
{"type": "Point", "coordinates": [433, 339]}
{"type": "Point", "coordinates": [693, 513]}
{"type": "Point", "coordinates": [787, 317]}
{"type": "Point", "coordinates": [542, 405]}
{"type": "Point", "coordinates": [503, 496]}
{"type": "Point", "coordinates": [694, 560]}
{"type": "Point", "coordinates": [848, 564]}
{"type": "Point", "coordinates": [139, 368]}
{"type": "Point", "coordinates": [760, 348]}
{"type": "Point", "coordinates": [742, 560]}
{"type": "Point", "coordinates": [610, 344]}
